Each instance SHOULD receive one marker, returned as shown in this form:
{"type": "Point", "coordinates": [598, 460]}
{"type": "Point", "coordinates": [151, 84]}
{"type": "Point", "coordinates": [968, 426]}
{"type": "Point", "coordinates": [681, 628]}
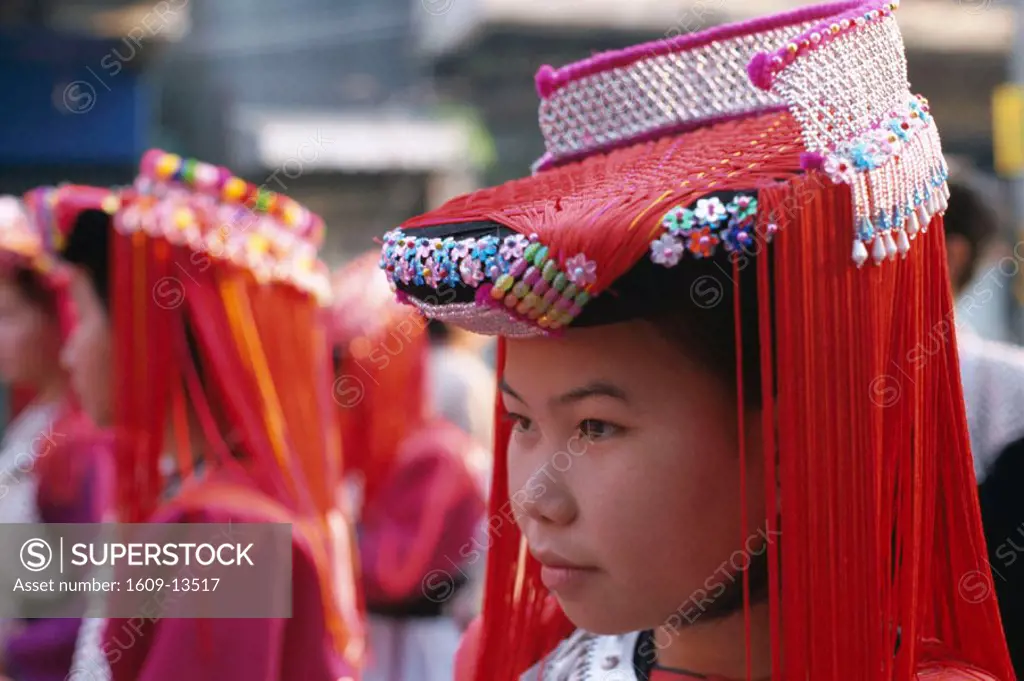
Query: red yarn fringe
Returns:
{"type": "Point", "coordinates": [881, 532]}
{"type": "Point", "coordinates": [880, 517]}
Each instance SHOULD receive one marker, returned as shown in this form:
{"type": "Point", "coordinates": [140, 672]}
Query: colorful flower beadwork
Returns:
{"type": "Point", "coordinates": [202, 207]}
{"type": "Point", "coordinates": [162, 168]}
{"type": "Point", "coordinates": [702, 229]}
{"type": "Point", "coordinates": [582, 272]}
{"type": "Point", "coordinates": [516, 273]}
{"type": "Point", "coordinates": [666, 250]}
{"type": "Point", "coordinates": [892, 212]}
{"type": "Point", "coordinates": [877, 146]}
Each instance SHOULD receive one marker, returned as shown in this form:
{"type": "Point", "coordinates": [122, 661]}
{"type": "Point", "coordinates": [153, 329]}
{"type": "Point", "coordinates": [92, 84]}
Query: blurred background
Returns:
{"type": "Point", "coordinates": [369, 111]}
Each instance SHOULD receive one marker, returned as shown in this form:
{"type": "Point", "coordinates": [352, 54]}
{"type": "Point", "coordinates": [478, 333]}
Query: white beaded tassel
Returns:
{"type": "Point", "coordinates": [903, 243]}
{"type": "Point", "coordinates": [863, 76]}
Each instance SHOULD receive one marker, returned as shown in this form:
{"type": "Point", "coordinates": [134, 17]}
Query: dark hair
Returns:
{"type": "Point", "coordinates": [692, 305]}
{"type": "Point", "coordinates": [34, 289]}
{"type": "Point", "coordinates": [438, 332]}
{"type": "Point", "coordinates": [88, 247]}
{"type": "Point", "coordinates": [704, 321]}
{"type": "Point", "coordinates": [971, 216]}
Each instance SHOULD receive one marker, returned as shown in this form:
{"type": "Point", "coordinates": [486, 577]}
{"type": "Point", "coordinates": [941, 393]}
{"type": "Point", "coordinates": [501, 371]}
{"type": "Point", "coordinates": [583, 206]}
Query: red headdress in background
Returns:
{"type": "Point", "coordinates": [798, 130]}
{"type": "Point", "coordinates": [216, 303]}
{"type": "Point", "coordinates": [382, 350]}
{"type": "Point", "coordinates": [55, 210]}
{"type": "Point", "coordinates": [420, 502]}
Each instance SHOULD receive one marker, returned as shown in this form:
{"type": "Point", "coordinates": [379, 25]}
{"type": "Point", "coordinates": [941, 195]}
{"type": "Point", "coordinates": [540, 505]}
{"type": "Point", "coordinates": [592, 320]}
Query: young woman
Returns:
{"type": "Point", "coordinates": [421, 499]}
{"type": "Point", "coordinates": [731, 452]}
{"type": "Point", "coordinates": [53, 465]}
{"type": "Point", "coordinates": [203, 300]}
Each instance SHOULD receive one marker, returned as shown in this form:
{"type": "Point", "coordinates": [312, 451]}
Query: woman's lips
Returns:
{"type": "Point", "coordinates": [559, 574]}
{"type": "Point", "coordinates": [564, 579]}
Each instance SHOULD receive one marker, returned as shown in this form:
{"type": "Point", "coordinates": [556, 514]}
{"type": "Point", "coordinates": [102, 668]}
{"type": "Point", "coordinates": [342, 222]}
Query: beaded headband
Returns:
{"type": "Point", "coordinates": [837, 72]}
{"type": "Point", "coordinates": [55, 209]}
{"type": "Point", "coordinates": [208, 209]}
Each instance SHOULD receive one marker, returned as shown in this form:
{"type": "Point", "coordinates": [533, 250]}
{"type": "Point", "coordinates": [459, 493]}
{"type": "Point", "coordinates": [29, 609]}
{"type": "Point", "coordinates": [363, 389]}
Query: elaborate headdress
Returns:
{"type": "Point", "coordinates": [216, 296]}
{"type": "Point", "coordinates": [756, 152]}
{"type": "Point", "coordinates": [54, 212]}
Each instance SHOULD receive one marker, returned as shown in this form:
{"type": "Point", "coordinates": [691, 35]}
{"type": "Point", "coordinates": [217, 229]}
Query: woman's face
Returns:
{"type": "Point", "coordinates": [29, 337]}
{"type": "Point", "coordinates": [624, 461]}
{"type": "Point", "coordinates": [87, 353]}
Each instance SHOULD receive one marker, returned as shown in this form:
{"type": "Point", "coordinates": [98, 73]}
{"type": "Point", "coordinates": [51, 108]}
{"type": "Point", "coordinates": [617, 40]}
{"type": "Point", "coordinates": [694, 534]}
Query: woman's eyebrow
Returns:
{"type": "Point", "coordinates": [592, 389]}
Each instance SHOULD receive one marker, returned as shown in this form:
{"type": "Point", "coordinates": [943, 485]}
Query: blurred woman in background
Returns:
{"type": "Point", "coordinates": [420, 501]}
{"type": "Point", "coordinates": [462, 382]}
{"type": "Point", "coordinates": [52, 462]}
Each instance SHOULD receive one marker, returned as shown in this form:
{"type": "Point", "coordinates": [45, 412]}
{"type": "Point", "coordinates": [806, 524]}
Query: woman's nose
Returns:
{"type": "Point", "coordinates": [546, 499]}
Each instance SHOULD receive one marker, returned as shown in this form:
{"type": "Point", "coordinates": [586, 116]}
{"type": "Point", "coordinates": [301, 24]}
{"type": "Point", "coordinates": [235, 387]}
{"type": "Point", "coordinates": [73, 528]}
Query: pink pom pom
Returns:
{"type": "Point", "coordinates": [811, 160]}
{"type": "Point", "coordinates": [148, 164]}
{"type": "Point", "coordinates": [545, 81]}
{"type": "Point", "coordinates": [759, 70]}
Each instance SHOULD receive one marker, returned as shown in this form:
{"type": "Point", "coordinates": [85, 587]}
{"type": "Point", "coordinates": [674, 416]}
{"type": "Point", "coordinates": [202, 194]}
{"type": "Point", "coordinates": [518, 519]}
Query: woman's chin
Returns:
{"type": "Point", "coordinates": [597, 617]}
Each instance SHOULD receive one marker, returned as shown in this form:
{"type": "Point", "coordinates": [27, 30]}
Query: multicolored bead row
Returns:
{"type": "Point", "coordinates": [702, 229]}
{"type": "Point", "coordinates": [221, 184]}
{"type": "Point", "coordinates": [544, 293]}
{"type": "Point", "coordinates": [515, 273]}
{"type": "Point", "coordinates": [898, 178]}
{"type": "Point", "coordinates": [822, 35]}
{"type": "Point", "coordinates": [40, 203]}
{"type": "Point", "coordinates": [52, 209]}
{"type": "Point", "coordinates": [877, 146]}
{"type": "Point", "coordinates": [196, 222]}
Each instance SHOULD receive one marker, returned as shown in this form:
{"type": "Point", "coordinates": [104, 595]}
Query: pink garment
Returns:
{"type": "Point", "coordinates": [422, 521]}
{"type": "Point", "coordinates": [231, 649]}
{"type": "Point", "coordinates": [75, 486]}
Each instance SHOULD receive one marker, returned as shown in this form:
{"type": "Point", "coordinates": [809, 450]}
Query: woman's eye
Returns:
{"type": "Point", "coordinates": [520, 423]}
{"type": "Point", "coordinates": [593, 429]}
